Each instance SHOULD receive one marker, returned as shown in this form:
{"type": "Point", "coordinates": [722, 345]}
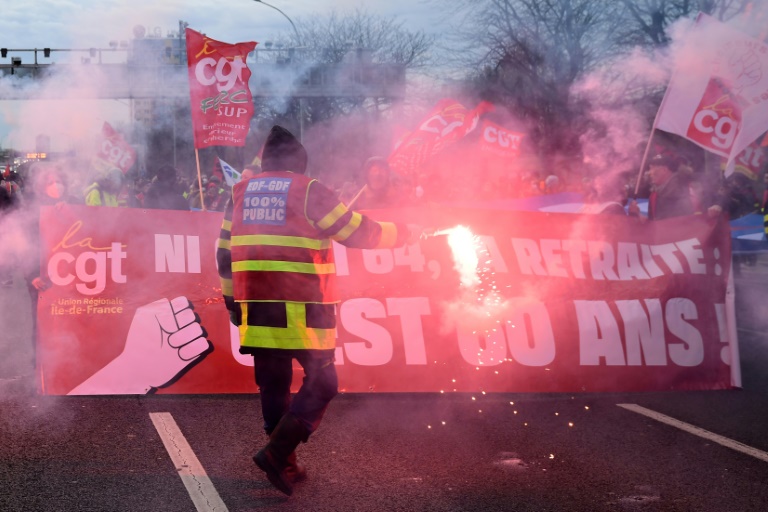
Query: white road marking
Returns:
{"type": "Point", "coordinates": [697, 431]}
{"type": "Point", "coordinates": [750, 331]}
{"type": "Point", "coordinates": [199, 486]}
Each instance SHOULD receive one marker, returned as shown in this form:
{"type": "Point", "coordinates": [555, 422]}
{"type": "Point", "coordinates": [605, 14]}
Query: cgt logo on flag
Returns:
{"type": "Point", "coordinates": [717, 119]}
{"type": "Point", "coordinates": [114, 150]}
{"type": "Point", "coordinates": [219, 94]}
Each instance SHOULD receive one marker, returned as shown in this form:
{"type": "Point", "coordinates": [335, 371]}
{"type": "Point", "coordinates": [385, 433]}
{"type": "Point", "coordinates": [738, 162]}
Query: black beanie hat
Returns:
{"type": "Point", "coordinates": [283, 152]}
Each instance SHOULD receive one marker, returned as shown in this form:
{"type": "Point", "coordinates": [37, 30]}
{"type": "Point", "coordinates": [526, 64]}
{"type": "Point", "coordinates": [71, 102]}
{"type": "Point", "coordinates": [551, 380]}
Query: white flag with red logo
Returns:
{"type": "Point", "coordinates": [222, 106]}
{"type": "Point", "coordinates": [718, 96]}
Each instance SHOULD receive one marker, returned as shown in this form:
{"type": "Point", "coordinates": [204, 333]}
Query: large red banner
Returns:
{"type": "Point", "coordinates": [222, 105]}
{"type": "Point", "coordinates": [559, 302]}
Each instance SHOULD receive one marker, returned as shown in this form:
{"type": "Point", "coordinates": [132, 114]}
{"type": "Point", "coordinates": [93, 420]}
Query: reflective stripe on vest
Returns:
{"type": "Point", "coordinates": [283, 241]}
{"type": "Point", "coordinates": [295, 336]}
{"type": "Point", "coordinates": [283, 266]}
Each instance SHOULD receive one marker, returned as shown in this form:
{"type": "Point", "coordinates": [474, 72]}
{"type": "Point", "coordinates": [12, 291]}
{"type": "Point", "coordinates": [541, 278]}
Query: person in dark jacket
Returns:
{"type": "Point", "coordinates": [378, 190]}
{"type": "Point", "coordinates": [50, 188]}
{"type": "Point", "coordinates": [608, 195]}
{"type": "Point", "coordinates": [277, 274]}
{"type": "Point", "coordinates": [764, 204]}
{"type": "Point", "coordinates": [671, 194]}
{"type": "Point", "coordinates": [165, 193]}
{"type": "Point", "coordinates": [6, 200]}
{"type": "Point", "coordinates": [6, 263]}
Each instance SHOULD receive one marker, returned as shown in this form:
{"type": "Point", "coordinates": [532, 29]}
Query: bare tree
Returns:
{"type": "Point", "coordinates": [528, 53]}
{"type": "Point", "coordinates": [534, 57]}
{"type": "Point", "coordinates": [649, 20]}
{"type": "Point", "coordinates": [348, 41]}
{"type": "Point", "coordinates": [342, 132]}
{"type": "Point", "coordinates": [354, 38]}
{"type": "Point", "coordinates": [330, 39]}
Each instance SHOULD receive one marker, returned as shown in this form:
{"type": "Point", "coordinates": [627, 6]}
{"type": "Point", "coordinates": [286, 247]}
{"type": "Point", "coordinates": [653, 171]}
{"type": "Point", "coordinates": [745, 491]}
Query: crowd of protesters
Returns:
{"type": "Point", "coordinates": [376, 185]}
{"type": "Point", "coordinates": [670, 184]}
{"type": "Point", "coordinates": [165, 189]}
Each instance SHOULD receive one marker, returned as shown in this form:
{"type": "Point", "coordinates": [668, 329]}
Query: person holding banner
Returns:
{"type": "Point", "coordinates": [164, 193]}
{"type": "Point", "coordinates": [671, 191]}
{"type": "Point", "coordinates": [277, 271]}
{"type": "Point", "coordinates": [378, 190]}
{"type": "Point", "coordinates": [7, 204]}
{"type": "Point", "coordinates": [215, 196]}
{"type": "Point", "coordinates": [49, 188]}
{"type": "Point", "coordinates": [764, 203]}
{"type": "Point", "coordinates": [608, 195]}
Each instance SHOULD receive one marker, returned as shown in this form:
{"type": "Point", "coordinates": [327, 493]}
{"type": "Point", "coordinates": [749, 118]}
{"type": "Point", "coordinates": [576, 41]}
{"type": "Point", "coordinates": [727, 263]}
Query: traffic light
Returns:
{"type": "Point", "coordinates": [3, 52]}
{"type": "Point", "coordinates": [46, 52]}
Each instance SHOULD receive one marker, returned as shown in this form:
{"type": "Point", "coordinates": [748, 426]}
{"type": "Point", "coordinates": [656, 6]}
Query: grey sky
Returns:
{"type": "Point", "coordinates": [91, 23]}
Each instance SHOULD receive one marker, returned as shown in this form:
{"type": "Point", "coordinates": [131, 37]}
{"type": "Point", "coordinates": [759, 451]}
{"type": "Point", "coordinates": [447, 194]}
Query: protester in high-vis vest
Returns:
{"type": "Point", "coordinates": [278, 280]}
{"type": "Point", "coordinates": [104, 191]}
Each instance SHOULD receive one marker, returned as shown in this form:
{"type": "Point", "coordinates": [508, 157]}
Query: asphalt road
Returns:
{"type": "Point", "coordinates": [392, 452]}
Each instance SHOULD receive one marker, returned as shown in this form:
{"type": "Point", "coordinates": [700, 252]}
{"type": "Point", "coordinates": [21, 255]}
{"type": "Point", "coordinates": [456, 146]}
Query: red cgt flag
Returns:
{"type": "Point", "coordinates": [497, 140]}
{"type": "Point", "coordinates": [222, 105]}
{"type": "Point", "coordinates": [448, 122]}
{"type": "Point", "coordinates": [114, 151]}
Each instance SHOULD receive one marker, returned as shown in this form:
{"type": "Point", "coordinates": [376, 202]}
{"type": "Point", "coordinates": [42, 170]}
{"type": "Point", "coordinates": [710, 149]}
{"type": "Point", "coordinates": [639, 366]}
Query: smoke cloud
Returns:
{"type": "Point", "coordinates": [62, 106]}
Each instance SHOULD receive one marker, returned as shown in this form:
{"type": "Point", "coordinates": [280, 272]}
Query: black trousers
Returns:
{"type": "Point", "coordinates": [274, 373]}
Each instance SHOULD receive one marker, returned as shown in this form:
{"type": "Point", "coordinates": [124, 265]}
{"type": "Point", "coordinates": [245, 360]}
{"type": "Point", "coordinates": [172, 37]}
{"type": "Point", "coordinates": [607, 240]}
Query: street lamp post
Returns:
{"type": "Point", "coordinates": [298, 41]}
{"type": "Point", "coordinates": [298, 37]}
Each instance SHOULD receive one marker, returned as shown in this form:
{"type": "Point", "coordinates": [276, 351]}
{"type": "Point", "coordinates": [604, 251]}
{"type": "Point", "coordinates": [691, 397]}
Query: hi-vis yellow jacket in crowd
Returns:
{"type": "Point", "coordinates": [276, 261]}
{"type": "Point", "coordinates": [95, 196]}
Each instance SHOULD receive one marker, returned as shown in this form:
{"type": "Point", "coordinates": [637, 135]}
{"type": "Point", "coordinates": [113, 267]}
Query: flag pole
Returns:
{"type": "Point", "coordinates": [656, 121]}
{"type": "Point", "coordinates": [357, 196]}
{"type": "Point", "coordinates": [650, 138]}
{"type": "Point", "coordinates": [645, 159]}
{"type": "Point", "coordinates": [199, 180]}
